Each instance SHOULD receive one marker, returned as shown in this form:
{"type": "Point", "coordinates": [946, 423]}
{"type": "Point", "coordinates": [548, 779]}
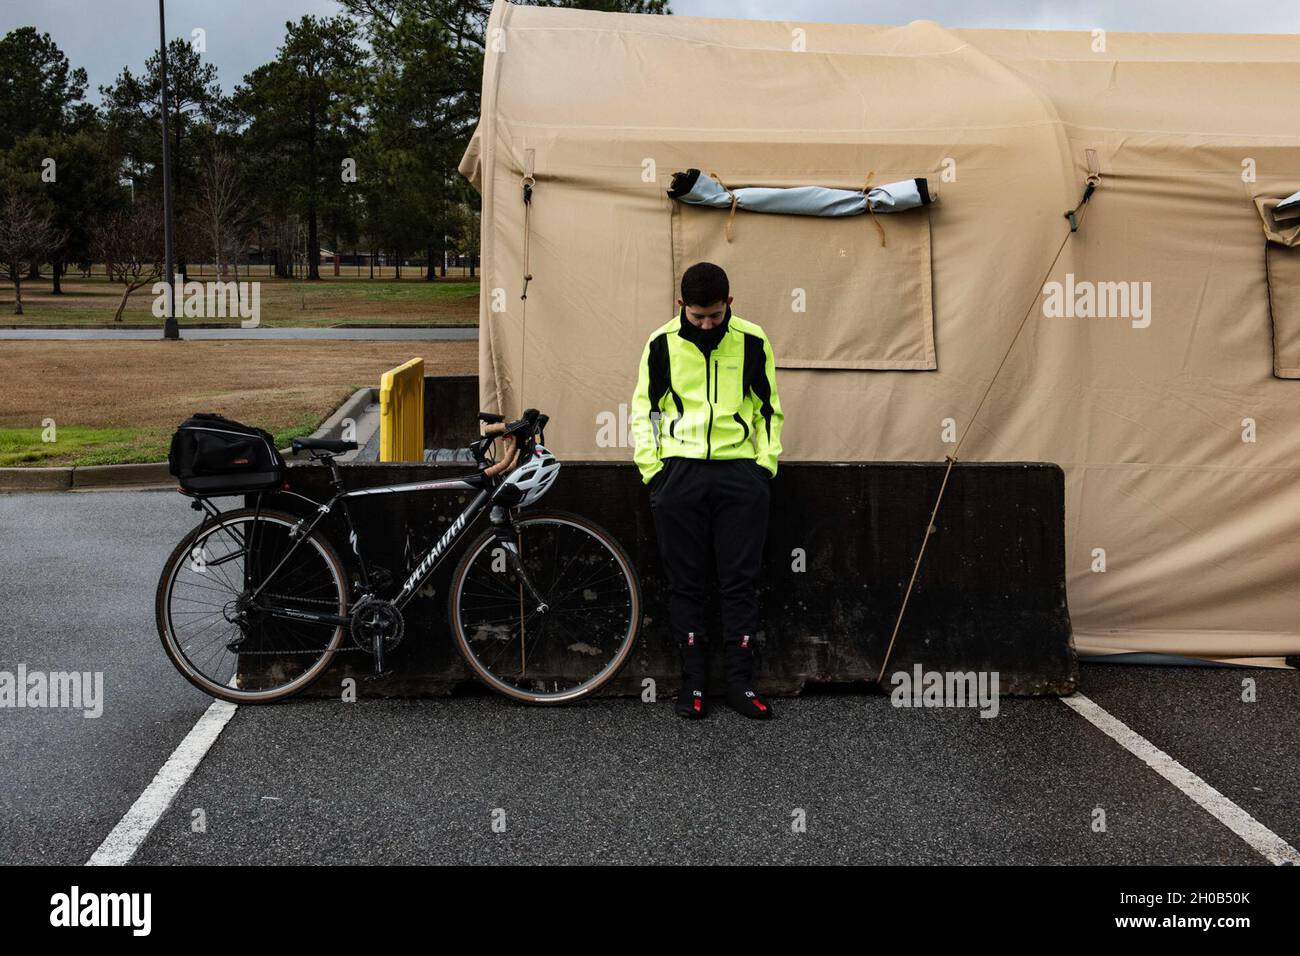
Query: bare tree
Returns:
{"type": "Point", "coordinates": [220, 208]}
{"type": "Point", "coordinates": [27, 238]}
{"type": "Point", "coordinates": [280, 235]}
{"type": "Point", "coordinates": [131, 245]}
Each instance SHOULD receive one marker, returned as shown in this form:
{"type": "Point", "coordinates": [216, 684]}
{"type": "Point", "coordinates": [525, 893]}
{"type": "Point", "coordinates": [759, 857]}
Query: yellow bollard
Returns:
{"type": "Point", "coordinates": [401, 412]}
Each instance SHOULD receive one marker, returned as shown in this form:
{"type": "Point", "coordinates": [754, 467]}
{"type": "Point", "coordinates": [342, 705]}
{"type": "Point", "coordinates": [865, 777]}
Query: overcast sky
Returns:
{"type": "Point", "coordinates": [105, 35]}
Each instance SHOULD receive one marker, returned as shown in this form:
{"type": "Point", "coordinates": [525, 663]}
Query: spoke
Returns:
{"type": "Point", "coordinates": [584, 585]}
{"type": "Point", "coordinates": [230, 584]}
{"type": "Point", "coordinates": [204, 587]}
{"type": "Point", "coordinates": [200, 631]}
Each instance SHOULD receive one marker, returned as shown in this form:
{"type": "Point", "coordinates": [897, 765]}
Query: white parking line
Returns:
{"type": "Point", "coordinates": [131, 831]}
{"type": "Point", "coordinates": [1261, 839]}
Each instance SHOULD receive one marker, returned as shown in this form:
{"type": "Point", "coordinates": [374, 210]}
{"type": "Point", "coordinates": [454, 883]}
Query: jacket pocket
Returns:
{"type": "Point", "coordinates": [743, 425]}
{"type": "Point", "coordinates": [728, 382]}
{"type": "Point", "coordinates": [657, 482]}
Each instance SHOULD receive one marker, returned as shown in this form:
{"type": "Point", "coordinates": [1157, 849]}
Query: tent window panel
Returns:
{"type": "Point", "coordinates": [1283, 265]}
{"type": "Point", "coordinates": [825, 291]}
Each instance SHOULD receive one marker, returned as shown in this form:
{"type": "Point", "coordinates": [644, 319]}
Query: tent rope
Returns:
{"type": "Point", "coordinates": [866, 188]}
{"type": "Point", "coordinates": [729, 230]}
{"type": "Point", "coordinates": [1075, 217]}
{"type": "Point", "coordinates": [528, 182]}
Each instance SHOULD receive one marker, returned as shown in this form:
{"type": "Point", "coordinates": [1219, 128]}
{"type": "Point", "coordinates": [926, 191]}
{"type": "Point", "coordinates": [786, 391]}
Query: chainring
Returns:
{"type": "Point", "coordinates": [370, 615]}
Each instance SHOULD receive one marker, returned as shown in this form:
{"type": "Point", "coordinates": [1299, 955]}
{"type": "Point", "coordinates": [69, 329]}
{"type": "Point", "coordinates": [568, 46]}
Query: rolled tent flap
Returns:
{"type": "Point", "coordinates": [1278, 229]}
{"type": "Point", "coordinates": [1288, 208]}
{"type": "Point", "coordinates": [697, 189]}
{"type": "Point", "coordinates": [1282, 271]}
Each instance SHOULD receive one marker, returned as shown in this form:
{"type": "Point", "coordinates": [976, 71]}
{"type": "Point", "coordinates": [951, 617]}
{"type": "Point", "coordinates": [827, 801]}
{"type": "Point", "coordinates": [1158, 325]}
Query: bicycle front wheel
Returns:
{"type": "Point", "coordinates": [581, 638]}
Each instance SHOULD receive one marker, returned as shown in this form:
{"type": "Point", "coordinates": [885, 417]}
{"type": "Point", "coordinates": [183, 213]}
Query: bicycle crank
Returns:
{"type": "Point", "coordinates": [377, 626]}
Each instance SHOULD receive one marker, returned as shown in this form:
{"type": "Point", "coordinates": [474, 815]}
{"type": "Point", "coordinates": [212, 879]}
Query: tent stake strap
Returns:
{"type": "Point", "coordinates": [1073, 214]}
{"type": "Point", "coordinates": [528, 184]}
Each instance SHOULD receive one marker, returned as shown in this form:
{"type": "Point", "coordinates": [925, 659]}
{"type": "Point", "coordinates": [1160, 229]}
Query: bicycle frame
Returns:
{"type": "Point", "coordinates": [486, 486]}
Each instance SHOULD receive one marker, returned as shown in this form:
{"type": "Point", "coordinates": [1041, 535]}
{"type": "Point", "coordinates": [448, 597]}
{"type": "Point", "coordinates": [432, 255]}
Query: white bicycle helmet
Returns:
{"type": "Point", "coordinates": [534, 477]}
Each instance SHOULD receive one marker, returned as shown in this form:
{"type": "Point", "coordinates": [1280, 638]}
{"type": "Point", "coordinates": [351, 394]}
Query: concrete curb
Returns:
{"type": "Point", "coordinates": [353, 407]}
{"type": "Point", "coordinates": [35, 479]}
{"type": "Point", "coordinates": [154, 474]}
{"type": "Point", "coordinates": [85, 477]}
{"type": "Point", "coordinates": [115, 476]}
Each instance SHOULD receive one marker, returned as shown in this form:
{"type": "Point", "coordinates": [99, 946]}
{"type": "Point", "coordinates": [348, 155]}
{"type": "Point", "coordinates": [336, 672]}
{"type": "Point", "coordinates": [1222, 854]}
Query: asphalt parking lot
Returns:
{"type": "Point", "coordinates": [481, 780]}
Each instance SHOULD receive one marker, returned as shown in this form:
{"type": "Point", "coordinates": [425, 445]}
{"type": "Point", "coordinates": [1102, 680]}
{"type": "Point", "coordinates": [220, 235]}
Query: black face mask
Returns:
{"type": "Point", "coordinates": [706, 340]}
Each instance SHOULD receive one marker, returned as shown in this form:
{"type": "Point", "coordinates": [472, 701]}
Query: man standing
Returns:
{"type": "Point", "coordinates": [708, 380]}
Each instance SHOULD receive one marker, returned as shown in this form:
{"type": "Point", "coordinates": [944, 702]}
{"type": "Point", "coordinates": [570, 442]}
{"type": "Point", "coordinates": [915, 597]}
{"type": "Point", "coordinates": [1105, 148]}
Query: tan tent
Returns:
{"type": "Point", "coordinates": [1159, 369]}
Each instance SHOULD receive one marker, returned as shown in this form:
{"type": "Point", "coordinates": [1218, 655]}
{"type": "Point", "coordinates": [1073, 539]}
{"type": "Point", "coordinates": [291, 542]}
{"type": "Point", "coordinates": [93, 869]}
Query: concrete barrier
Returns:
{"type": "Point", "coordinates": [843, 537]}
{"type": "Point", "coordinates": [451, 410]}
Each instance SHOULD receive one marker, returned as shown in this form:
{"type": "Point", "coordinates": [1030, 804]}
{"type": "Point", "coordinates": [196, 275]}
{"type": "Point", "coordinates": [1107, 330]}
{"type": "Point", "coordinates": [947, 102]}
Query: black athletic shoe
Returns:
{"type": "Point", "coordinates": [741, 696]}
{"type": "Point", "coordinates": [692, 703]}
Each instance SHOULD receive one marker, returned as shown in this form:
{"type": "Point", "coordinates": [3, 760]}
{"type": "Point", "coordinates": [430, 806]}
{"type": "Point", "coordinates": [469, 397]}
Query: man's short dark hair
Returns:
{"type": "Point", "coordinates": [704, 284]}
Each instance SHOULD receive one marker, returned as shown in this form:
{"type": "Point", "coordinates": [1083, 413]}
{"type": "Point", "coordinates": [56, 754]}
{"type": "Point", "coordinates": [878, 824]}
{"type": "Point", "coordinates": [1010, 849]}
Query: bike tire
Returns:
{"type": "Point", "coordinates": [586, 688]}
{"type": "Point", "coordinates": [171, 643]}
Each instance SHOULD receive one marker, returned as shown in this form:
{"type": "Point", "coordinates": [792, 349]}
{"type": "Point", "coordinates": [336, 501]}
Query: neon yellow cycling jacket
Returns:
{"type": "Point", "coordinates": [722, 406]}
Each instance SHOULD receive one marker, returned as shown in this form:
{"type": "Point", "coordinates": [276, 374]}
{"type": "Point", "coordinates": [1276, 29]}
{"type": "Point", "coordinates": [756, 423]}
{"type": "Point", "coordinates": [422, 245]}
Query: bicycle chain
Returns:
{"type": "Point", "coordinates": [289, 597]}
{"type": "Point", "coordinates": [325, 601]}
{"type": "Point", "coordinates": [338, 650]}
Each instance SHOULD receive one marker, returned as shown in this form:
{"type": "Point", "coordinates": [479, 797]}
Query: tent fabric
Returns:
{"type": "Point", "coordinates": [1181, 448]}
{"type": "Point", "coordinates": [1282, 268]}
{"type": "Point", "coordinates": [843, 274]}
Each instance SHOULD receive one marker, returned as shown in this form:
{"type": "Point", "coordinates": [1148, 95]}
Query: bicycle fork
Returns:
{"type": "Point", "coordinates": [505, 535]}
{"type": "Point", "coordinates": [507, 539]}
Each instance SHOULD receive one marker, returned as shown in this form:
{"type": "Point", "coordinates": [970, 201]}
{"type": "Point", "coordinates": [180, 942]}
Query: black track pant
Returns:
{"type": "Point", "coordinates": [711, 515]}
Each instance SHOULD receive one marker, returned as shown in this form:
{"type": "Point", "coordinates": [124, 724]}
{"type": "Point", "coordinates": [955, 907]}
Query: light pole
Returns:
{"type": "Point", "coordinates": [170, 329]}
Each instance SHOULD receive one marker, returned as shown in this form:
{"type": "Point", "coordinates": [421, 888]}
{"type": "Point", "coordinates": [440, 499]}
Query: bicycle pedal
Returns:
{"type": "Point", "coordinates": [379, 676]}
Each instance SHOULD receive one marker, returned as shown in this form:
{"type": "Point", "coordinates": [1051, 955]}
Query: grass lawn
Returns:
{"type": "Point", "coordinates": [284, 302]}
{"type": "Point", "coordinates": [119, 402]}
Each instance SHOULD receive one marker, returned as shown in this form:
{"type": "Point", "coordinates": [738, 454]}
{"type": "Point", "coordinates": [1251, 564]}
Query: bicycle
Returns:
{"type": "Point", "coordinates": [253, 605]}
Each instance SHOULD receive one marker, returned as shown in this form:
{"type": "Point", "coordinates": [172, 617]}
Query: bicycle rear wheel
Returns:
{"type": "Point", "coordinates": [219, 639]}
{"type": "Point", "coordinates": [584, 636]}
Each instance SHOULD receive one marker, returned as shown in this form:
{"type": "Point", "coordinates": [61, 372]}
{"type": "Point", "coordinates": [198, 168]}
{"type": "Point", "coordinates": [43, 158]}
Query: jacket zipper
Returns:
{"type": "Point", "coordinates": [708, 437]}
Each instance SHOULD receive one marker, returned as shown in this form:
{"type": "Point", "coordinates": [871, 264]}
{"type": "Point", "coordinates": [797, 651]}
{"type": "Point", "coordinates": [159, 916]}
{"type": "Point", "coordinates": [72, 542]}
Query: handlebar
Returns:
{"type": "Point", "coordinates": [523, 431]}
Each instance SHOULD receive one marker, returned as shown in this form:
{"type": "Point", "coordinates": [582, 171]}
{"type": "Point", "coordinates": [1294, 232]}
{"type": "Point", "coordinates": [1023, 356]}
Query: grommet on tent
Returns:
{"type": "Point", "coordinates": [1090, 187]}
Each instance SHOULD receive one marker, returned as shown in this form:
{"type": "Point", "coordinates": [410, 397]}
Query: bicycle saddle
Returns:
{"type": "Point", "coordinates": [323, 444]}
